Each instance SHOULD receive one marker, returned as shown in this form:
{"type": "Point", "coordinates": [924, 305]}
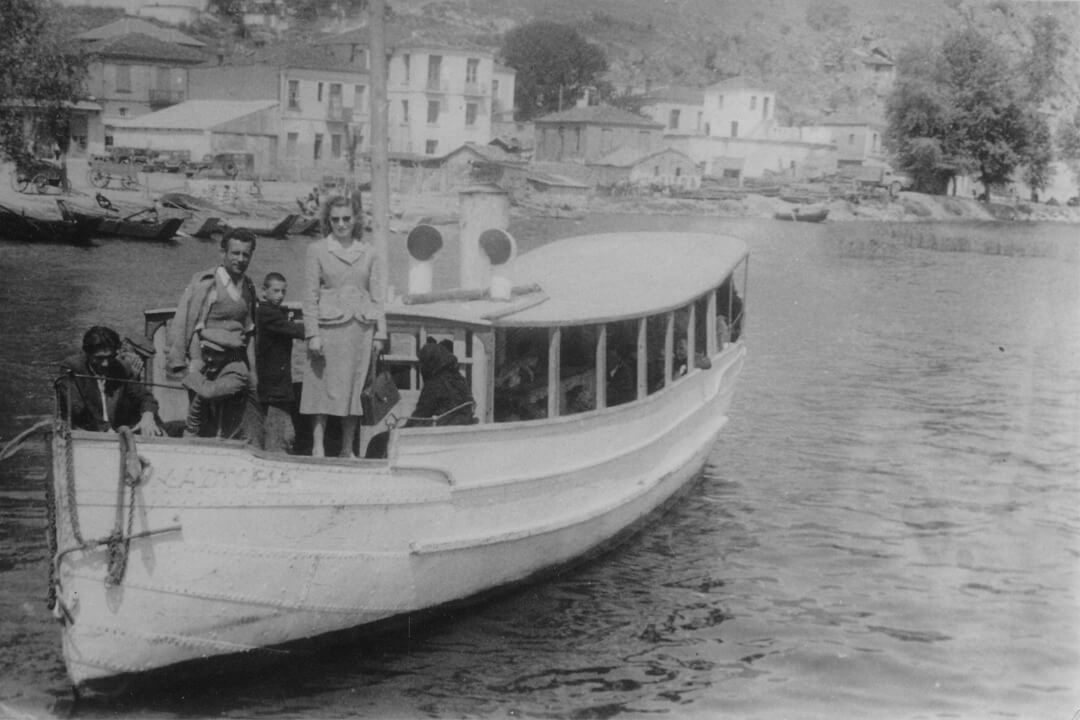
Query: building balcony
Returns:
{"type": "Point", "coordinates": [339, 113]}
{"type": "Point", "coordinates": [164, 98]}
{"type": "Point", "coordinates": [475, 89]}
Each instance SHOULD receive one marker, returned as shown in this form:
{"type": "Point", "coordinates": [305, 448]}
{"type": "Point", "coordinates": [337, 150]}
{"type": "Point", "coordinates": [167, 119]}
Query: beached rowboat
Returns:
{"type": "Point", "coordinates": [205, 548]}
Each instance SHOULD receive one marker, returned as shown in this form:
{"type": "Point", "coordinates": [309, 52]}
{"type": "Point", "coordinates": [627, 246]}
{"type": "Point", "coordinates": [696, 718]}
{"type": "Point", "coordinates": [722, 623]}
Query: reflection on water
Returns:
{"type": "Point", "coordinates": [888, 527]}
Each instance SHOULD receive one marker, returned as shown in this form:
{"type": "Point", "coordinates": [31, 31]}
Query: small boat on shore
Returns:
{"type": "Point", "coordinates": [15, 225]}
{"type": "Point", "coordinates": [814, 214]}
{"type": "Point", "coordinates": [217, 226]}
{"type": "Point", "coordinates": [207, 548]}
{"type": "Point", "coordinates": [129, 227]}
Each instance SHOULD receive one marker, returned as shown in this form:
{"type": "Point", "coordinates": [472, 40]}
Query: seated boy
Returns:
{"type": "Point", "coordinates": [222, 404]}
{"type": "Point", "coordinates": [275, 333]}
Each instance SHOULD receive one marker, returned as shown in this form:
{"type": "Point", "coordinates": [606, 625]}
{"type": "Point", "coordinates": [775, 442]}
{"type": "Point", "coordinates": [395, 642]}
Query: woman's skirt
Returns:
{"type": "Point", "coordinates": [333, 382]}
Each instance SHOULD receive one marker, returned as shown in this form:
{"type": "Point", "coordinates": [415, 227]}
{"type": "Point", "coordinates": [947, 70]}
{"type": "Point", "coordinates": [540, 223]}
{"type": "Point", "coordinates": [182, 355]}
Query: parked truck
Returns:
{"type": "Point", "coordinates": [868, 180]}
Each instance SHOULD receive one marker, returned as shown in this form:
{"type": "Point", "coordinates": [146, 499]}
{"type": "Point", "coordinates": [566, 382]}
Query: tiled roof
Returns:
{"type": "Point", "coordinates": [196, 115]}
{"type": "Point", "coordinates": [127, 25]}
{"type": "Point", "coordinates": [599, 115]}
{"type": "Point", "coordinates": [675, 94]}
{"type": "Point", "coordinates": [136, 46]}
{"type": "Point", "coordinates": [299, 55]}
{"type": "Point", "coordinates": [738, 83]}
{"type": "Point", "coordinates": [624, 156]}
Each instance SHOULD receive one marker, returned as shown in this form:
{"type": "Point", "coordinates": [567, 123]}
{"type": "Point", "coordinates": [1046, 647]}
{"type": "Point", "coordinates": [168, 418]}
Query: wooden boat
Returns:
{"type": "Point", "coordinates": [15, 225]}
{"type": "Point", "coordinates": [305, 226]}
{"type": "Point", "coordinates": [205, 548]}
{"type": "Point", "coordinates": [129, 226]}
{"type": "Point", "coordinates": [803, 214]}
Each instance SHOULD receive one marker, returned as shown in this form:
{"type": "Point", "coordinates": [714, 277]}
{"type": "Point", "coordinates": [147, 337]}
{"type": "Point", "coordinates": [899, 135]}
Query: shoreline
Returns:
{"type": "Point", "coordinates": [279, 198]}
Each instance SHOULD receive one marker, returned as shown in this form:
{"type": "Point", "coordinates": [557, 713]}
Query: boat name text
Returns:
{"type": "Point", "coordinates": [223, 478]}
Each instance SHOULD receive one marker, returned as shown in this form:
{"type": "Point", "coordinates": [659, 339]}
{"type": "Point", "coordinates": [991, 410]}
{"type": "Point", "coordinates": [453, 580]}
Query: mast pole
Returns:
{"type": "Point", "coordinates": [380, 170]}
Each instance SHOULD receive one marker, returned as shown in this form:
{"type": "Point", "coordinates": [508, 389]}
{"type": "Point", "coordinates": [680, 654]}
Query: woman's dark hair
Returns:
{"type": "Point", "coordinates": [100, 337]}
{"type": "Point", "coordinates": [353, 203]}
{"type": "Point", "coordinates": [241, 234]}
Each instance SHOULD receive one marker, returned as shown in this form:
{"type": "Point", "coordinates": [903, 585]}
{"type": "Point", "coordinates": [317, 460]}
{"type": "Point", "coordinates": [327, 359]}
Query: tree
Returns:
{"type": "Point", "coordinates": [40, 78]}
{"type": "Point", "coordinates": [554, 66]}
{"type": "Point", "coordinates": [1068, 143]}
{"type": "Point", "coordinates": [1041, 68]}
{"type": "Point", "coordinates": [962, 96]}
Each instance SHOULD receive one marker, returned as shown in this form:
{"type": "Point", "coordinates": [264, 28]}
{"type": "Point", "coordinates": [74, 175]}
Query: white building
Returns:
{"type": "Point", "coordinates": [738, 108]}
{"type": "Point", "coordinates": [441, 97]}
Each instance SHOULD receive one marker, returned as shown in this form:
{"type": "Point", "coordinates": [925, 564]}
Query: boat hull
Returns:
{"type": "Point", "coordinates": [235, 550]}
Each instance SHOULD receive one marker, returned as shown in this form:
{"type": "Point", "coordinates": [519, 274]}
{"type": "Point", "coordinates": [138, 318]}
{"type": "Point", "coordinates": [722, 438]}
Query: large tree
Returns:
{"type": "Point", "coordinates": [554, 66]}
{"type": "Point", "coordinates": [957, 109]}
{"type": "Point", "coordinates": [41, 76]}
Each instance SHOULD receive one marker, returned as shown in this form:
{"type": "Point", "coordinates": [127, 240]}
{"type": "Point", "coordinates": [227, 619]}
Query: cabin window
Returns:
{"type": "Point", "coordinates": [729, 306]}
{"type": "Point", "coordinates": [683, 346]}
{"type": "Point", "coordinates": [657, 359]}
{"type": "Point", "coordinates": [620, 367]}
{"type": "Point", "coordinates": [521, 374]}
{"type": "Point", "coordinates": [577, 369]}
{"type": "Point", "coordinates": [701, 326]}
{"type": "Point", "coordinates": [401, 357]}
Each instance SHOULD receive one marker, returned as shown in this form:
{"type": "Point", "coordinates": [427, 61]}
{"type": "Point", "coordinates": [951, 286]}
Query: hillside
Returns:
{"type": "Point", "coordinates": [806, 49]}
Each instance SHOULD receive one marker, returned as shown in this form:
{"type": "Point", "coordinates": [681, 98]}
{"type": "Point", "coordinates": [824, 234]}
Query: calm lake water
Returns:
{"type": "Point", "coordinates": [888, 528]}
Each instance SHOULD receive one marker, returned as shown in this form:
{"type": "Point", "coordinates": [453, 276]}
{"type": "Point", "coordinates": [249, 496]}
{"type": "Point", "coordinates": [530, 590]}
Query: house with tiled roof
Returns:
{"type": "Point", "coordinates": [134, 67]}
{"type": "Point", "coordinates": [665, 167]}
{"type": "Point", "coordinates": [584, 134]}
{"type": "Point", "coordinates": [681, 109]}
{"type": "Point", "coordinates": [858, 140]}
{"type": "Point", "coordinates": [127, 25]}
{"type": "Point", "coordinates": [322, 95]}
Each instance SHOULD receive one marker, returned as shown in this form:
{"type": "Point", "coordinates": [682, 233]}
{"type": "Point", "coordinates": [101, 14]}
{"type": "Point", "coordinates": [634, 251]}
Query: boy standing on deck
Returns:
{"type": "Point", "coordinates": [275, 332]}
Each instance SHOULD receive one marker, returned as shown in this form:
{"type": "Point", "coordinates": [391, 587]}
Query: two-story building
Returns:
{"type": "Point", "coordinates": [134, 68]}
{"type": "Point", "coordinates": [858, 141]}
{"type": "Point", "coordinates": [680, 109]}
{"type": "Point", "coordinates": [442, 96]}
{"type": "Point", "coordinates": [323, 97]}
{"type": "Point", "coordinates": [738, 108]}
{"type": "Point", "coordinates": [585, 134]}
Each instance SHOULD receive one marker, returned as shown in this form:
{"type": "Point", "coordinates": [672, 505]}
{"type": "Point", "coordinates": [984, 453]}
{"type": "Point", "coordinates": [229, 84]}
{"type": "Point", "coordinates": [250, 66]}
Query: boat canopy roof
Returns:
{"type": "Point", "coordinates": [593, 279]}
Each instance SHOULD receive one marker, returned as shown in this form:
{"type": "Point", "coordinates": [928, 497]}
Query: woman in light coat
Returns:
{"type": "Point", "coordinates": [344, 286]}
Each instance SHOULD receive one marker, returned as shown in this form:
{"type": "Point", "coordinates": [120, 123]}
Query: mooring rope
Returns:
{"type": "Point", "coordinates": [131, 474]}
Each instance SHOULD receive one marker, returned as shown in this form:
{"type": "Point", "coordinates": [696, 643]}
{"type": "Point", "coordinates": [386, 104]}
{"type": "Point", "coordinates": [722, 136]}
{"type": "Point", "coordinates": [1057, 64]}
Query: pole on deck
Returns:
{"type": "Point", "coordinates": [380, 172]}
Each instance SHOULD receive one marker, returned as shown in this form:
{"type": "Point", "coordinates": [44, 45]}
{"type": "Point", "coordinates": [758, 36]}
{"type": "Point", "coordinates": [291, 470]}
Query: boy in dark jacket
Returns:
{"type": "Point", "coordinates": [275, 333]}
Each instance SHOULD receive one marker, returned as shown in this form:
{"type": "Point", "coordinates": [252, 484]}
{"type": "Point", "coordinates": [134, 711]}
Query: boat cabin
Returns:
{"type": "Point", "coordinates": [590, 323]}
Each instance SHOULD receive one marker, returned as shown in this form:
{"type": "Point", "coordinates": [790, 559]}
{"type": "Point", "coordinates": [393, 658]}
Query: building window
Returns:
{"type": "Point", "coordinates": [433, 111]}
{"type": "Point", "coordinates": [404, 111]}
{"type": "Point", "coordinates": [123, 112]}
{"type": "Point", "coordinates": [360, 97]}
{"type": "Point", "coordinates": [765, 108]}
{"type": "Point", "coordinates": [123, 78]}
{"type": "Point", "coordinates": [430, 147]}
{"type": "Point", "coordinates": [643, 140]}
{"type": "Point", "coordinates": [290, 144]}
{"type": "Point", "coordinates": [494, 88]}
{"type": "Point", "coordinates": [577, 141]}
{"type": "Point", "coordinates": [851, 139]}
{"type": "Point", "coordinates": [656, 171]}
{"type": "Point", "coordinates": [470, 113]}
{"type": "Point", "coordinates": [699, 116]}
{"type": "Point", "coordinates": [294, 94]}
{"type": "Point", "coordinates": [405, 59]}
{"type": "Point", "coordinates": [335, 146]}
{"type": "Point", "coordinates": [318, 93]}
{"type": "Point", "coordinates": [753, 102]}
{"type": "Point", "coordinates": [434, 71]}
{"type": "Point", "coordinates": [673, 120]}
{"type": "Point", "coordinates": [875, 142]}
{"type": "Point", "coordinates": [472, 65]}
{"type": "Point", "coordinates": [607, 139]}
{"type": "Point", "coordinates": [317, 154]}
{"type": "Point", "coordinates": [734, 128]}
{"type": "Point", "coordinates": [719, 102]}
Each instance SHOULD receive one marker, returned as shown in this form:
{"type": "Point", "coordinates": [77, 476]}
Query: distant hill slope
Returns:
{"type": "Point", "coordinates": [805, 49]}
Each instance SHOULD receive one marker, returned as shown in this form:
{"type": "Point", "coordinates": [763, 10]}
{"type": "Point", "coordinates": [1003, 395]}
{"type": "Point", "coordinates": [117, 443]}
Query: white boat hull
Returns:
{"type": "Point", "coordinates": [244, 550]}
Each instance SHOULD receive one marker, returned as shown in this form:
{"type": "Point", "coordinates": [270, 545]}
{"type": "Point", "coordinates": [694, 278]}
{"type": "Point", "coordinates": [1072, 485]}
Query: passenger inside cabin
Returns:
{"type": "Point", "coordinates": [681, 365]}
{"type": "Point", "coordinates": [621, 372]}
{"type": "Point", "coordinates": [444, 399]}
{"type": "Point", "coordinates": [521, 383]}
{"type": "Point", "coordinates": [729, 312]}
{"type": "Point", "coordinates": [101, 392]}
{"type": "Point", "coordinates": [275, 333]}
{"type": "Point", "coordinates": [223, 403]}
